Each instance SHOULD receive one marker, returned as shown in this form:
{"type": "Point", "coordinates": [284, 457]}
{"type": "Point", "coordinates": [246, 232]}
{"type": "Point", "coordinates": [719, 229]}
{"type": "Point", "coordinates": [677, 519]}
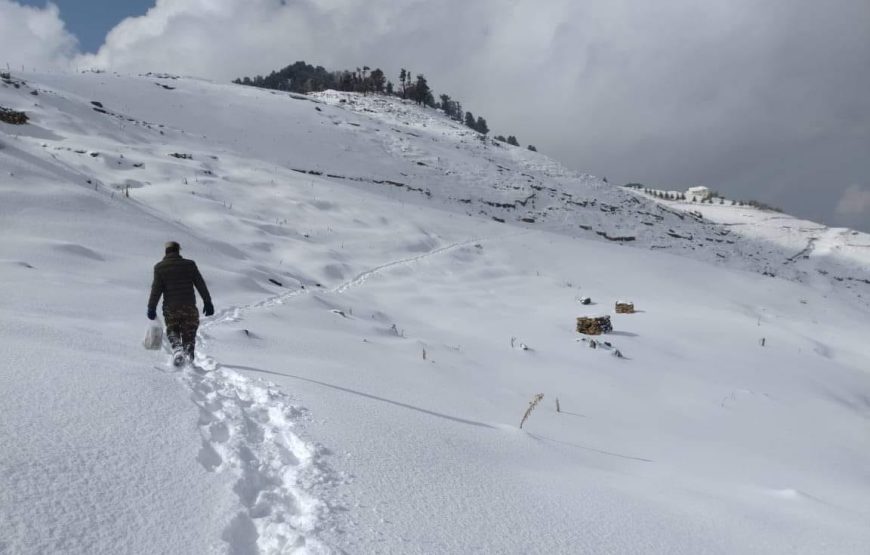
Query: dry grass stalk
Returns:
{"type": "Point", "coordinates": [532, 404]}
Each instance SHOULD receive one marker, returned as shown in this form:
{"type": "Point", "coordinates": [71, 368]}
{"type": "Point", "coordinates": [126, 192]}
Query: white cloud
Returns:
{"type": "Point", "coordinates": [223, 39]}
{"type": "Point", "coordinates": [34, 37]}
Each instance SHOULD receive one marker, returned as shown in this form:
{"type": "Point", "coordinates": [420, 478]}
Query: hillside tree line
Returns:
{"type": "Point", "coordinates": [304, 78]}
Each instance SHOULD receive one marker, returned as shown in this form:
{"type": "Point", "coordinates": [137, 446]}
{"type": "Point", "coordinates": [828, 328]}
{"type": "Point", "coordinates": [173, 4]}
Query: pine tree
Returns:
{"type": "Point", "coordinates": [346, 81]}
{"type": "Point", "coordinates": [481, 125]}
{"type": "Point", "coordinates": [533, 148]}
{"type": "Point", "coordinates": [469, 120]}
{"type": "Point", "coordinates": [377, 79]}
{"type": "Point", "coordinates": [422, 92]}
{"type": "Point", "coordinates": [446, 105]}
{"type": "Point", "coordinates": [365, 83]}
{"type": "Point", "coordinates": [511, 140]}
{"type": "Point", "coordinates": [403, 75]}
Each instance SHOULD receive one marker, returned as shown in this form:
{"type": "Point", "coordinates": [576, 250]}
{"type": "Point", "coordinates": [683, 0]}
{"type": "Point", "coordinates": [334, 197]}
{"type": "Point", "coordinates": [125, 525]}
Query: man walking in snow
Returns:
{"type": "Point", "coordinates": [174, 279]}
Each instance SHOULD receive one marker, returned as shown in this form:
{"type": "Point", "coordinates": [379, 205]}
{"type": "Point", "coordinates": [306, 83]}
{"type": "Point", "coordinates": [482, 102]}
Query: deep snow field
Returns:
{"type": "Point", "coordinates": [392, 291]}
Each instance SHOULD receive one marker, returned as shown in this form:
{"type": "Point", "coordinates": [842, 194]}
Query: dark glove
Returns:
{"type": "Point", "coordinates": [152, 314]}
{"type": "Point", "coordinates": [208, 309]}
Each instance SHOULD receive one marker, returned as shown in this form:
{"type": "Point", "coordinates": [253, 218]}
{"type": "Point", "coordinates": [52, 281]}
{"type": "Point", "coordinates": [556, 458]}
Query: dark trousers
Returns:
{"type": "Point", "coordinates": [181, 325]}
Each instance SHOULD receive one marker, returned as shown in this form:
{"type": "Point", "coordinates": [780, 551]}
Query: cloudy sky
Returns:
{"type": "Point", "coordinates": [760, 100]}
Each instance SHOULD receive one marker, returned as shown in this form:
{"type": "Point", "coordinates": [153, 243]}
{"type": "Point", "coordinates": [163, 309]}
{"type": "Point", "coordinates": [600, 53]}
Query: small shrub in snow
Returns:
{"type": "Point", "coordinates": [522, 346]}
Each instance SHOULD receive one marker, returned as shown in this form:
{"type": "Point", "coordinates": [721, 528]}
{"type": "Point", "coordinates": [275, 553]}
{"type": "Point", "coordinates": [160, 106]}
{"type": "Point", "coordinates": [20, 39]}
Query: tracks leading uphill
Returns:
{"type": "Point", "coordinates": [247, 428]}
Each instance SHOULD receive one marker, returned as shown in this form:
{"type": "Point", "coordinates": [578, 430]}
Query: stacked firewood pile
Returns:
{"type": "Point", "coordinates": [594, 325]}
{"type": "Point", "coordinates": [13, 117]}
{"type": "Point", "coordinates": [623, 307]}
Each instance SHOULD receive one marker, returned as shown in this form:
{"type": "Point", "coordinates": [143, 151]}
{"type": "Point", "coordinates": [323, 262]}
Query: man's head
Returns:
{"type": "Point", "coordinates": [173, 247]}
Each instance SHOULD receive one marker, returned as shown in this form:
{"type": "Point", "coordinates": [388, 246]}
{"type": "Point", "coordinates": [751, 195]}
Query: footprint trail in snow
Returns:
{"type": "Point", "coordinates": [246, 428]}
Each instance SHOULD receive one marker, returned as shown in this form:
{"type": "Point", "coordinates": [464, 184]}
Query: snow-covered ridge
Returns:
{"type": "Point", "coordinates": [515, 185]}
{"type": "Point", "coordinates": [401, 150]}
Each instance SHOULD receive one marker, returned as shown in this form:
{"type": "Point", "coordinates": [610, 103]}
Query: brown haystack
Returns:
{"type": "Point", "coordinates": [624, 307]}
{"type": "Point", "coordinates": [595, 325]}
{"type": "Point", "coordinates": [13, 117]}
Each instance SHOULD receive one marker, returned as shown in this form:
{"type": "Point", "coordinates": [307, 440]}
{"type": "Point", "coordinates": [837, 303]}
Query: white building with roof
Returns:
{"type": "Point", "coordinates": [697, 194]}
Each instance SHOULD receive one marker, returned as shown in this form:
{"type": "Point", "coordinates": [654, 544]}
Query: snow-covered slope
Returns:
{"type": "Point", "coordinates": [377, 270]}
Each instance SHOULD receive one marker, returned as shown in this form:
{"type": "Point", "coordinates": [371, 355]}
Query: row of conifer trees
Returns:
{"type": "Point", "coordinates": [304, 78]}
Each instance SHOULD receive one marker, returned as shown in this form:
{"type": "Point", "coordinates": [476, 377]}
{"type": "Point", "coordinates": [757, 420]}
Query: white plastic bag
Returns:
{"type": "Point", "coordinates": [153, 336]}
